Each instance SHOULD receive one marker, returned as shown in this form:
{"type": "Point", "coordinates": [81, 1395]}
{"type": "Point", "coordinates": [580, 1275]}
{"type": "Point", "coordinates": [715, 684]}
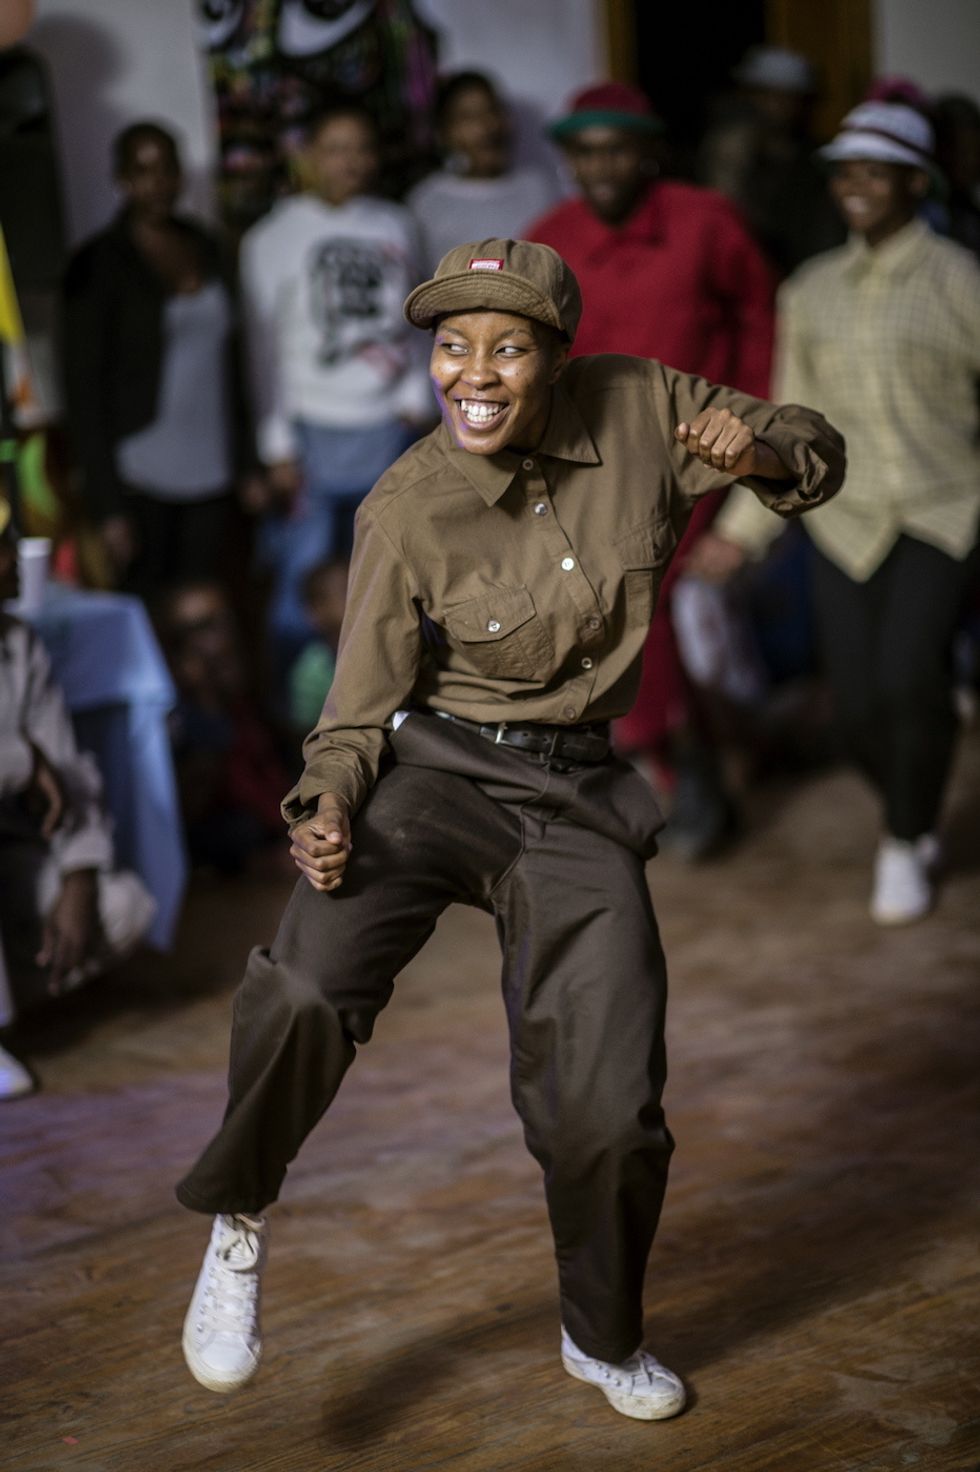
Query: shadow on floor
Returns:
{"type": "Point", "coordinates": [891, 1159]}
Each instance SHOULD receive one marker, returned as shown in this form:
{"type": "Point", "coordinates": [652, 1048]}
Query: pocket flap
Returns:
{"type": "Point", "coordinates": [648, 545]}
{"type": "Point", "coordinates": [492, 616]}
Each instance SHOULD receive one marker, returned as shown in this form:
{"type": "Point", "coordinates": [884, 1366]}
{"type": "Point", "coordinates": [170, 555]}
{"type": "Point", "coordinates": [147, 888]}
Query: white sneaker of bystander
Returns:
{"type": "Point", "coordinates": [903, 889]}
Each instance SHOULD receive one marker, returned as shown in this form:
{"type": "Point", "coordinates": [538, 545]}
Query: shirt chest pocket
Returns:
{"type": "Point", "coordinates": [501, 635]}
{"type": "Point", "coordinates": [644, 553]}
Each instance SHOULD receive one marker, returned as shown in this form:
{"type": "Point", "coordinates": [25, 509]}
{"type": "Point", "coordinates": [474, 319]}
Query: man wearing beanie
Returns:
{"type": "Point", "coordinates": [504, 575]}
{"type": "Point", "coordinates": [668, 270]}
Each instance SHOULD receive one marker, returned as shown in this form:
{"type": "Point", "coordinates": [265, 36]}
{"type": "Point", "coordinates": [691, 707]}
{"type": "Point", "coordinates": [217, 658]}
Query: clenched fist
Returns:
{"type": "Point", "coordinates": [725, 442]}
{"type": "Point", "coordinates": [321, 845]}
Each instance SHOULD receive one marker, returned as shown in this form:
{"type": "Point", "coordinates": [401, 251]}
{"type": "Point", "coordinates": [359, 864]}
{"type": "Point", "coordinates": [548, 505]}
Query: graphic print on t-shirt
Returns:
{"type": "Point", "coordinates": [356, 289]}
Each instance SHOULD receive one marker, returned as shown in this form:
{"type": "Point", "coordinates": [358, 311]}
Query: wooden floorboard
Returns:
{"type": "Point", "coordinates": [817, 1275]}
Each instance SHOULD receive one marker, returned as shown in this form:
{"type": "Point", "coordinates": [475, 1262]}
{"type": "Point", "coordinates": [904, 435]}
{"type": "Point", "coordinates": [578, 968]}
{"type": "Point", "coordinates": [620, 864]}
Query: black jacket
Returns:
{"type": "Point", "coordinates": [112, 355]}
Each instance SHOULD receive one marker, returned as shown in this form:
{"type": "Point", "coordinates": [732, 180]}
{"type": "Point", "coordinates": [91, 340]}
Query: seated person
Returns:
{"type": "Point", "coordinates": [229, 772]}
{"type": "Point", "coordinates": [310, 678]}
{"type": "Point", "coordinates": [64, 915]}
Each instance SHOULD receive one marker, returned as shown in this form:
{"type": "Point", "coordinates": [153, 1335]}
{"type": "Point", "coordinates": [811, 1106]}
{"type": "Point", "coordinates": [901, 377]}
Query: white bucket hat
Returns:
{"type": "Point", "coordinates": [889, 131]}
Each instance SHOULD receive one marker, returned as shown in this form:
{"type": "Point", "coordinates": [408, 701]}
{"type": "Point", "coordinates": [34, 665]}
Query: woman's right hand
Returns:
{"type": "Point", "coordinates": [321, 845]}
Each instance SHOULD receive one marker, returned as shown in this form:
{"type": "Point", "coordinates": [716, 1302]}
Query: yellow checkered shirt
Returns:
{"type": "Point", "coordinates": [886, 344]}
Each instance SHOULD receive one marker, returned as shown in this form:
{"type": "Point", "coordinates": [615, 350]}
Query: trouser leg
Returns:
{"type": "Point", "coordinates": [156, 522]}
{"type": "Point", "coordinates": [24, 878]}
{"type": "Point", "coordinates": [202, 544]}
{"type": "Point", "coordinates": [585, 991]}
{"type": "Point", "coordinates": [926, 594]}
{"type": "Point", "coordinates": [421, 840]}
{"type": "Point", "coordinates": [847, 616]}
{"type": "Point", "coordinates": [886, 647]}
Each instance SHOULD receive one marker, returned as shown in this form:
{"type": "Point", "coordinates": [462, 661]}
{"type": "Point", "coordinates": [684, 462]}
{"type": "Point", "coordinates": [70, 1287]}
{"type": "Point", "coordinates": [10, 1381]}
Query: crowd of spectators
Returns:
{"type": "Point", "coordinates": [226, 417]}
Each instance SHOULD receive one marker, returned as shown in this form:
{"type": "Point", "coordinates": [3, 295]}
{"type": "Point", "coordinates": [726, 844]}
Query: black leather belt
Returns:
{"type": "Point", "coordinates": [567, 743]}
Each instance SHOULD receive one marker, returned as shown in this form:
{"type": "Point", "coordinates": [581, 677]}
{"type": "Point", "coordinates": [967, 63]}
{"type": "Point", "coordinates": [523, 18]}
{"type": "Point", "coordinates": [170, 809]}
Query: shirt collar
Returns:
{"type": "Point", "coordinates": [896, 256]}
{"type": "Point", "coordinates": [565, 438]}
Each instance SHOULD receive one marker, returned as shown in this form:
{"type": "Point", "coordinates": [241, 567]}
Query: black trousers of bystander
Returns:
{"type": "Point", "coordinates": [177, 541]}
{"type": "Point", "coordinates": [886, 646]}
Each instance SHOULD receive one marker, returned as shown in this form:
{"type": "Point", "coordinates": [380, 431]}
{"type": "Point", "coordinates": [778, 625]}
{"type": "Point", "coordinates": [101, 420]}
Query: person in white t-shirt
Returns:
{"type": "Point", "coordinates": [339, 387]}
{"type": "Point", "coordinates": [477, 194]}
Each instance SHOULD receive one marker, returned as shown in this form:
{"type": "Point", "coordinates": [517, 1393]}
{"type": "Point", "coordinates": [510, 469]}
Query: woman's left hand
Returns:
{"type": "Point", "coordinates": [722, 440]}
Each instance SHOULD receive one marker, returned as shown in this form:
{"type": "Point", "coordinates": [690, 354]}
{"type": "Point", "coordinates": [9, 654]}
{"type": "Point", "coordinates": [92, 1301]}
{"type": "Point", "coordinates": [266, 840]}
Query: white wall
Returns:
{"type": "Point", "coordinates": [112, 62]}
{"type": "Point", "coordinates": [540, 51]}
{"type": "Point", "coordinates": [935, 42]}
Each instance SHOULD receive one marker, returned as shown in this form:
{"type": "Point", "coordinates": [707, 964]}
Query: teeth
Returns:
{"type": "Point", "coordinates": [478, 412]}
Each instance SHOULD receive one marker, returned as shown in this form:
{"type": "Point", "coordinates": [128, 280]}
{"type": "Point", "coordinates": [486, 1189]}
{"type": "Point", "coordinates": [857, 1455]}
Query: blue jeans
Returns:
{"type": "Point", "coordinates": [339, 467]}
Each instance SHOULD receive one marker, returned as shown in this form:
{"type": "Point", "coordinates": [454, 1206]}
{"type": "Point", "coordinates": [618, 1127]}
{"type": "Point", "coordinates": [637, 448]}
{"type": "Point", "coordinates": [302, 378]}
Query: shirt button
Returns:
{"type": "Point", "coordinates": [594, 623]}
{"type": "Point", "coordinates": [569, 712]}
{"type": "Point", "coordinates": [541, 509]}
{"type": "Point", "coordinates": [567, 563]}
{"type": "Point", "coordinates": [493, 627]}
{"type": "Point", "coordinates": [527, 464]}
{"type": "Point", "coordinates": [586, 664]}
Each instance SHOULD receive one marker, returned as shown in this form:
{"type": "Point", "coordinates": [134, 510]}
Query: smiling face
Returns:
{"type": "Point", "coordinates": [612, 167]}
{"type": "Point", "coordinates": [493, 373]}
{"type": "Point", "coordinates": [877, 198]}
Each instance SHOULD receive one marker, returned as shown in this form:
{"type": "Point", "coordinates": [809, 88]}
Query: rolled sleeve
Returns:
{"type": "Point", "coordinates": [377, 665]}
{"type": "Point", "coordinates": [813, 452]}
{"type": "Point", "coordinates": [810, 448]}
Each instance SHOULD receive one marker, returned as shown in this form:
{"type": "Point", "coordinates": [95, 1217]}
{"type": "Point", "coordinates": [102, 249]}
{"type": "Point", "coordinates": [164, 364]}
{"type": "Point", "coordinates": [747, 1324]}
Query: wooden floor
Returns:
{"type": "Point", "coordinates": [817, 1276]}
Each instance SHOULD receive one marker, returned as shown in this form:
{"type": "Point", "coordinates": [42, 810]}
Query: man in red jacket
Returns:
{"type": "Point", "coordinates": [668, 271]}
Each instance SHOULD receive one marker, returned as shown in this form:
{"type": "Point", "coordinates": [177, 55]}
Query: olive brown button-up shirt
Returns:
{"type": "Point", "coordinates": [520, 587]}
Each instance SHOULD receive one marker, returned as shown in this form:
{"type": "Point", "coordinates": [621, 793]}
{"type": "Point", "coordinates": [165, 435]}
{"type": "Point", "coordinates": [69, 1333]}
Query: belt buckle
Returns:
{"type": "Point", "coordinates": [501, 728]}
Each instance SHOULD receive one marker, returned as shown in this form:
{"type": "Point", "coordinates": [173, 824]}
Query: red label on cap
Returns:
{"type": "Point", "coordinates": [486, 263]}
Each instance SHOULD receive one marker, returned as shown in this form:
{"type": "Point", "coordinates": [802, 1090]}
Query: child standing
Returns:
{"type": "Point", "coordinates": [339, 388]}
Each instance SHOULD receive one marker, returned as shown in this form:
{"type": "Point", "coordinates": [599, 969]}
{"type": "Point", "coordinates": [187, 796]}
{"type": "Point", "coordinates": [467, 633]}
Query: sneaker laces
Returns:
{"type": "Point", "coordinates": [639, 1369]}
{"type": "Point", "coordinates": [232, 1286]}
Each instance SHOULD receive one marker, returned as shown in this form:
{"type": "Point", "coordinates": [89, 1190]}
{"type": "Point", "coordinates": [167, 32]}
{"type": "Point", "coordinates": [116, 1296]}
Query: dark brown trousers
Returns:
{"type": "Point", "coordinates": [558, 859]}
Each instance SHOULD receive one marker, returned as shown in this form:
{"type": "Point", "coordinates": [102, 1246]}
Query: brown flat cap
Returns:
{"type": "Point", "coordinates": [500, 276]}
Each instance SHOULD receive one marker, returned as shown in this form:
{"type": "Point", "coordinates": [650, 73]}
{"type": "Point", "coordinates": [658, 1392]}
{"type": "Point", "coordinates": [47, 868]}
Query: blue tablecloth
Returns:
{"type": "Point", "coordinates": [118, 688]}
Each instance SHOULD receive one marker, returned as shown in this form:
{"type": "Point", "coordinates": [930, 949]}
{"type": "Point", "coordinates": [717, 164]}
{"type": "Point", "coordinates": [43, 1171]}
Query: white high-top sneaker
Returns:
{"type": "Point", "coordinates": [640, 1386]}
{"type": "Point", "coordinates": [222, 1334]}
{"type": "Point", "coordinates": [903, 890]}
